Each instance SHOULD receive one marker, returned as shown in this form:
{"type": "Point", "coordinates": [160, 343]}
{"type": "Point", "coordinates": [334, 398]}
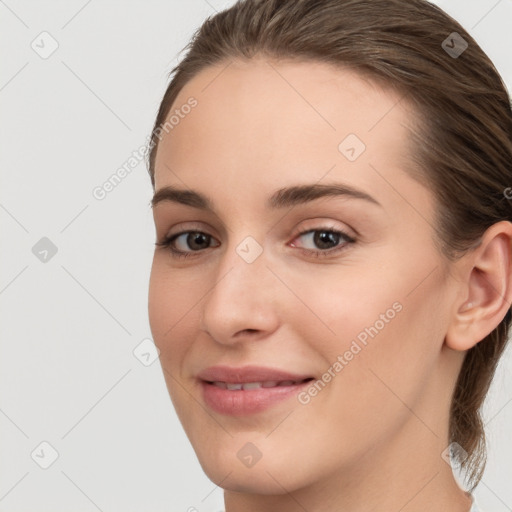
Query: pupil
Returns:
{"type": "Point", "coordinates": [196, 238]}
{"type": "Point", "coordinates": [323, 237]}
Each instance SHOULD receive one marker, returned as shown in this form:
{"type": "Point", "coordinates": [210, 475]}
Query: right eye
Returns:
{"type": "Point", "coordinates": [179, 242]}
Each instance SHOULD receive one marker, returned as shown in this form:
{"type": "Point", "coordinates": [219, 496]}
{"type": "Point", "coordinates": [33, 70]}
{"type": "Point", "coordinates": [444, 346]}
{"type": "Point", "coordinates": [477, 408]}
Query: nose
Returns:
{"type": "Point", "coordinates": [243, 301]}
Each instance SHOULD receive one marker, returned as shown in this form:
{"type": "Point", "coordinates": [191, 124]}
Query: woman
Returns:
{"type": "Point", "coordinates": [331, 287]}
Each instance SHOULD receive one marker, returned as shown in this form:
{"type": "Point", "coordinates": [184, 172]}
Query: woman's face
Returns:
{"type": "Point", "coordinates": [311, 254]}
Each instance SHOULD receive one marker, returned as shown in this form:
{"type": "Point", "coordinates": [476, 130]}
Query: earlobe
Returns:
{"type": "Point", "coordinates": [487, 289]}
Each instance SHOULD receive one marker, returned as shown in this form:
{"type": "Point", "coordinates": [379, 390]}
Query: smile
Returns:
{"type": "Point", "coordinates": [247, 386]}
{"type": "Point", "coordinates": [249, 398]}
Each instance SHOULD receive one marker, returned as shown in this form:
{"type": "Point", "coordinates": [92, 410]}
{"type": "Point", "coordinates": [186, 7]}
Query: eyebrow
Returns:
{"type": "Point", "coordinates": [282, 198]}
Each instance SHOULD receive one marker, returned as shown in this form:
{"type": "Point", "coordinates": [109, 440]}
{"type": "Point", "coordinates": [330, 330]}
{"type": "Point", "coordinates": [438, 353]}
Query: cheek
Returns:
{"type": "Point", "coordinates": [159, 303]}
{"type": "Point", "coordinates": [170, 310]}
{"type": "Point", "coordinates": [344, 306]}
{"type": "Point", "coordinates": [376, 335]}
{"type": "Point", "coordinates": [400, 301]}
{"type": "Point", "coordinates": [171, 313]}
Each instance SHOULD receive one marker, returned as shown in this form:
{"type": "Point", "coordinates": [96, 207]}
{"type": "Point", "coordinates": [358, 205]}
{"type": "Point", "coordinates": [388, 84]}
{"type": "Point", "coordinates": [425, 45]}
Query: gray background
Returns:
{"type": "Point", "coordinates": [70, 324]}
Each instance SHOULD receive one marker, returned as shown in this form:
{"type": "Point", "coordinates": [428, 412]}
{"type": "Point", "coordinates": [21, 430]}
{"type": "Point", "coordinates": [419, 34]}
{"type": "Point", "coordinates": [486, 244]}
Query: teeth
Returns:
{"type": "Point", "coordinates": [254, 385]}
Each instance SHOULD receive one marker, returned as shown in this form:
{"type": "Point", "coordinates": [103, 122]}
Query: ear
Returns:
{"type": "Point", "coordinates": [487, 288]}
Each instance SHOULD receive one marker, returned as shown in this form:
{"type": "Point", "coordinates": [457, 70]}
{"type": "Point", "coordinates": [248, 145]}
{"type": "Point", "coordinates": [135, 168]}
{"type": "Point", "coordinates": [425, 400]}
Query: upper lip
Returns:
{"type": "Point", "coordinates": [248, 374]}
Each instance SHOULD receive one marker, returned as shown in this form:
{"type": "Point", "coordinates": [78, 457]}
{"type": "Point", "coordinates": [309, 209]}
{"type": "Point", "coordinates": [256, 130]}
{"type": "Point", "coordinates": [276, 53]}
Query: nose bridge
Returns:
{"type": "Point", "coordinates": [240, 298]}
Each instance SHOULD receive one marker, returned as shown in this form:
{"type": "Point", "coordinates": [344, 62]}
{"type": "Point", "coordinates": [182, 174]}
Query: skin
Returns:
{"type": "Point", "coordinates": [372, 438]}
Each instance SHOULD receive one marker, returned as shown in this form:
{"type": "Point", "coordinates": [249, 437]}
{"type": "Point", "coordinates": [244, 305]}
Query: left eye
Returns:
{"type": "Point", "coordinates": [324, 240]}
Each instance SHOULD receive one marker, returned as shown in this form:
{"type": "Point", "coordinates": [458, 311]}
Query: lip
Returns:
{"type": "Point", "coordinates": [248, 374]}
{"type": "Point", "coordinates": [246, 402]}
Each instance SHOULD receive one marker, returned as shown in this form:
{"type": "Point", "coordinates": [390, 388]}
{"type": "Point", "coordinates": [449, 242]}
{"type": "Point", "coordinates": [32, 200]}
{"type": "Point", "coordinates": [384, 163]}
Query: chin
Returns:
{"type": "Point", "coordinates": [247, 480]}
{"type": "Point", "coordinates": [229, 466]}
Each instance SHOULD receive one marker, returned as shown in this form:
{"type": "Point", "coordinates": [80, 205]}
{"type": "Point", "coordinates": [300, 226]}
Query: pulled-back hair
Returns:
{"type": "Point", "coordinates": [463, 144]}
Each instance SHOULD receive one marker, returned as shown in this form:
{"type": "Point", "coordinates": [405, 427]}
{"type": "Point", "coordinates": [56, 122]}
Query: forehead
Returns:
{"type": "Point", "coordinates": [260, 118]}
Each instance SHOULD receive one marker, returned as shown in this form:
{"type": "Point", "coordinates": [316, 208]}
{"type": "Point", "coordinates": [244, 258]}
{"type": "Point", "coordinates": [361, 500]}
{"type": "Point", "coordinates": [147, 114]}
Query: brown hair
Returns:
{"type": "Point", "coordinates": [463, 145]}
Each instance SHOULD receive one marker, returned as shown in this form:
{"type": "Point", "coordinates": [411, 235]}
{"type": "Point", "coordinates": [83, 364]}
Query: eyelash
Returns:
{"type": "Point", "coordinates": [167, 243]}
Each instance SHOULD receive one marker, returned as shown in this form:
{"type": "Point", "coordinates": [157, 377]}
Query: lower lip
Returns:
{"type": "Point", "coordinates": [242, 402]}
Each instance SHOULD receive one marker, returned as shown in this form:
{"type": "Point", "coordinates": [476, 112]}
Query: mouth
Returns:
{"type": "Point", "coordinates": [248, 390]}
{"type": "Point", "coordinates": [248, 386]}
{"type": "Point", "coordinates": [250, 374]}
